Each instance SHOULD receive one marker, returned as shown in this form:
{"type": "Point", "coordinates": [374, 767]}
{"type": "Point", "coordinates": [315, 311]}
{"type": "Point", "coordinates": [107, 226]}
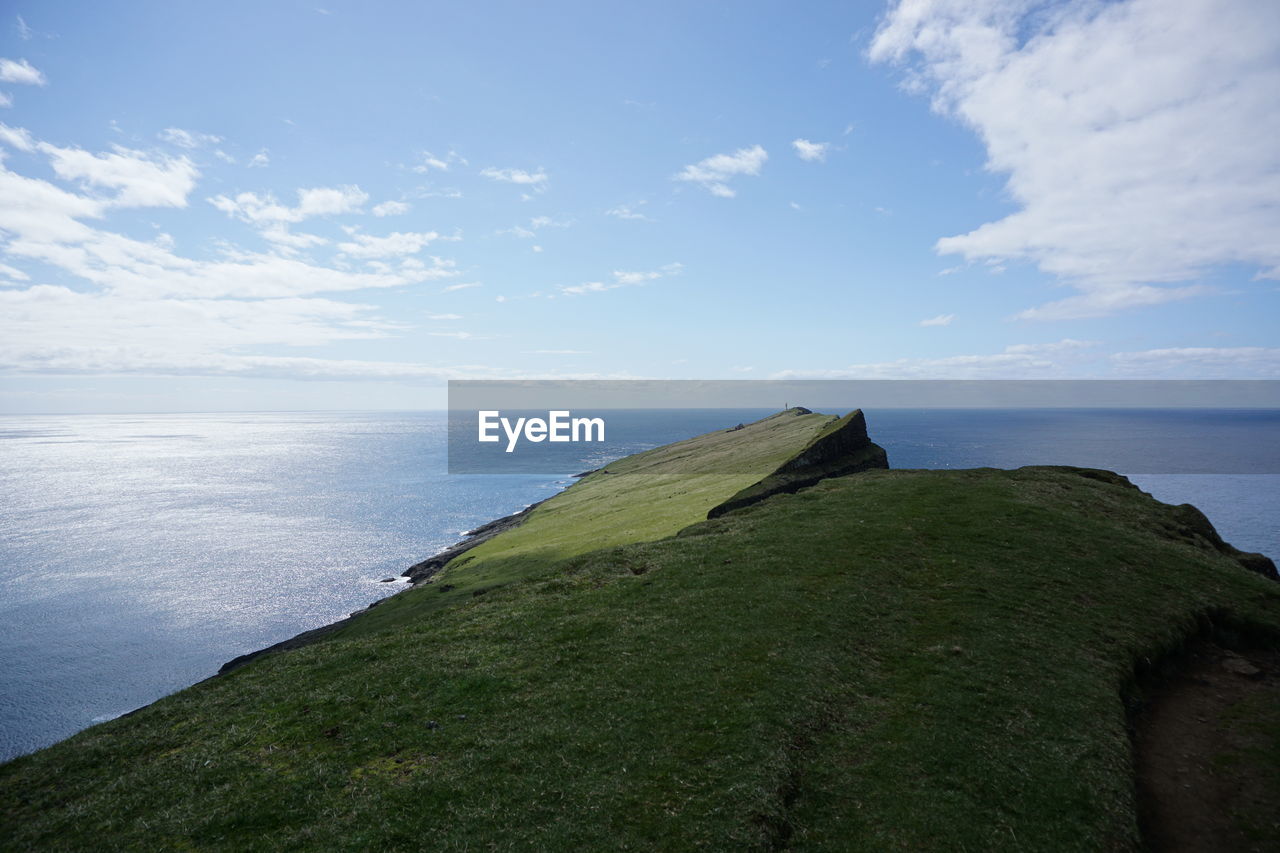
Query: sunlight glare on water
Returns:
{"type": "Point", "coordinates": [139, 553]}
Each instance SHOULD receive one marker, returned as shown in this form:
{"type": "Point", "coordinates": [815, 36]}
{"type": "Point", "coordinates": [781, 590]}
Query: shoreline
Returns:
{"type": "Point", "coordinates": [419, 573]}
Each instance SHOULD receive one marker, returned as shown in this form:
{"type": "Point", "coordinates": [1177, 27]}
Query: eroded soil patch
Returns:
{"type": "Point", "coordinates": [1208, 754]}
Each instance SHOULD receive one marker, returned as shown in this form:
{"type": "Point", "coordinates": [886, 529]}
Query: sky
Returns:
{"type": "Point", "coordinates": [244, 206]}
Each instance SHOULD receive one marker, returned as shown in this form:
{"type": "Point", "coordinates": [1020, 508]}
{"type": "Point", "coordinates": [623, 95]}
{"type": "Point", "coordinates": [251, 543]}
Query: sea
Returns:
{"type": "Point", "coordinates": [140, 552]}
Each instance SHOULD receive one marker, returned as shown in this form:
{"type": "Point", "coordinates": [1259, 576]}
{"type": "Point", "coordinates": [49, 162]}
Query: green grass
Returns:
{"type": "Point", "coordinates": [642, 498]}
{"type": "Point", "coordinates": [889, 660]}
{"type": "Point", "coordinates": [1255, 749]}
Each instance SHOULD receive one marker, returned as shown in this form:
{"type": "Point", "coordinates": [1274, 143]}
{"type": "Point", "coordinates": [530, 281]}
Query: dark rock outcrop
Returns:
{"type": "Point", "coordinates": [1187, 524]}
{"type": "Point", "coordinates": [1190, 524]}
{"type": "Point", "coordinates": [306, 638]}
{"type": "Point", "coordinates": [419, 572]}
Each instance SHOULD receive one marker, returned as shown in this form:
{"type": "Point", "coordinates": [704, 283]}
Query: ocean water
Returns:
{"type": "Point", "coordinates": [139, 553]}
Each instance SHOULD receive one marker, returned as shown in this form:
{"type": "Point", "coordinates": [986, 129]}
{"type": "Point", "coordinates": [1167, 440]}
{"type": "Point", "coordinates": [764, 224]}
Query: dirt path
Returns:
{"type": "Point", "coordinates": [1208, 754]}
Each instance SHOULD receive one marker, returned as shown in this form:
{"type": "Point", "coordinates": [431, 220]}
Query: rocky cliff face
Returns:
{"type": "Point", "coordinates": [1191, 525]}
{"type": "Point", "coordinates": [842, 448]}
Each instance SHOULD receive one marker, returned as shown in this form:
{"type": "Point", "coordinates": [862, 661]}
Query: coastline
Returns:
{"type": "Point", "coordinates": [843, 447]}
{"type": "Point", "coordinates": [419, 573]}
{"type": "Point", "coordinates": [566, 652]}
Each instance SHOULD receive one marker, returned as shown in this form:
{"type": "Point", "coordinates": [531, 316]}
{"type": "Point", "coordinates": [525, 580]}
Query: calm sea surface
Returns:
{"type": "Point", "coordinates": [140, 552]}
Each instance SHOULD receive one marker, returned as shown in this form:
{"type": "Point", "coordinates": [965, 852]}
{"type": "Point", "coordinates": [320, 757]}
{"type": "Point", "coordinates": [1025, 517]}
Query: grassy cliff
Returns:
{"type": "Point", "coordinates": [881, 660]}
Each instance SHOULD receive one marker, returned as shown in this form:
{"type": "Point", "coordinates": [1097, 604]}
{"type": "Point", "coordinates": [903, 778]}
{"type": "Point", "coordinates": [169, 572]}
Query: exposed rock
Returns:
{"type": "Point", "coordinates": [294, 642]}
{"type": "Point", "coordinates": [419, 572]}
{"type": "Point", "coordinates": [1260, 563]}
{"type": "Point", "coordinates": [1239, 666]}
{"type": "Point", "coordinates": [1191, 525]}
{"type": "Point", "coordinates": [1186, 524]}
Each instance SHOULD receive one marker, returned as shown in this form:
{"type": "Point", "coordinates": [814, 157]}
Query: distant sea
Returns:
{"type": "Point", "coordinates": [140, 552]}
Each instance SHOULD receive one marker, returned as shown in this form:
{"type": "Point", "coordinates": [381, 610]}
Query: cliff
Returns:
{"type": "Point", "coordinates": [842, 447]}
{"type": "Point", "coordinates": [879, 660]}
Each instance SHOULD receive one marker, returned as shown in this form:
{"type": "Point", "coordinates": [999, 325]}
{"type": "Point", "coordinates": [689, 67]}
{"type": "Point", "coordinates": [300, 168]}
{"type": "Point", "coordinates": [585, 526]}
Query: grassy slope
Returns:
{"type": "Point", "coordinates": [644, 497]}
{"type": "Point", "coordinates": [889, 660]}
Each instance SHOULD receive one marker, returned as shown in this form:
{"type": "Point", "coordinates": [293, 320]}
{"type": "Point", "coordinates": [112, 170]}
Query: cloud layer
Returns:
{"type": "Point", "coordinates": [140, 306]}
{"type": "Point", "coordinates": [1125, 182]}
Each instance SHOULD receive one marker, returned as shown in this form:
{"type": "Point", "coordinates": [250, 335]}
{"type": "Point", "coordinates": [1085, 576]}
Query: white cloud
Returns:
{"type": "Point", "coordinates": [17, 137]}
{"type": "Point", "coordinates": [940, 320]}
{"type": "Point", "coordinates": [535, 224]}
{"type": "Point", "coordinates": [180, 323]}
{"type": "Point", "coordinates": [627, 211]}
{"type": "Point", "coordinates": [47, 329]}
{"type": "Point", "coordinates": [328, 201]}
{"type": "Point", "coordinates": [811, 151]}
{"type": "Point", "coordinates": [186, 138]}
{"type": "Point", "coordinates": [462, 336]}
{"type": "Point", "coordinates": [24, 31]}
{"type": "Point", "coordinates": [714, 172]}
{"type": "Point", "coordinates": [20, 71]}
{"type": "Point", "coordinates": [621, 278]}
{"type": "Point", "coordinates": [141, 179]}
{"type": "Point", "coordinates": [391, 208]}
{"type": "Point", "coordinates": [140, 307]}
{"type": "Point", "coordinates": [557, 352]}
{"type": "Point", "coordinates": [444, 316]}
{"type": "Point", "coordinates": [428, 162]}
{"type": "Point", "coordinates": [624, 278]}
{"type": "Point", "coordinates": [464, 286]}
{"type": "Point", "coordinates": [1052, 360]}
{"type": "Point", "coordinates": [1137, 137]}
{"type": "Point", "coordinates": [13, 273]}
{"type": "Point", "coordinates": [536, 180]}
{"type": "Point", "coordinates": [43, 223]}
{"type": "Point", "coordinates": [318, 201]}
{"type": "Point", "coordinates": [260, 160]}
{"type": "Point", "coordinates": [279, 233]}
{"type": "Point", "coordinates": [5, 100]}
{"type": "Point", "coordinates": [37, 213]}
{"type": "Point", "coordinates": [1066, 345]}
{"type": "Point", "coordinates": [396, 243]}
{"type": "Point", "coordinates": [1099, 300]}
{"type": "Point", "coordinates": [587, 287]}
{"type": "Point", "coordinates": [536, 248]}
{"type": "Point", "coordinates": [1202, 362]}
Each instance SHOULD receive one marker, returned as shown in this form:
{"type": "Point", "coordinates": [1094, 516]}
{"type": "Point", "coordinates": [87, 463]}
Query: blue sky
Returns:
{"type": "Point", "coordinates": [243, 206]}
